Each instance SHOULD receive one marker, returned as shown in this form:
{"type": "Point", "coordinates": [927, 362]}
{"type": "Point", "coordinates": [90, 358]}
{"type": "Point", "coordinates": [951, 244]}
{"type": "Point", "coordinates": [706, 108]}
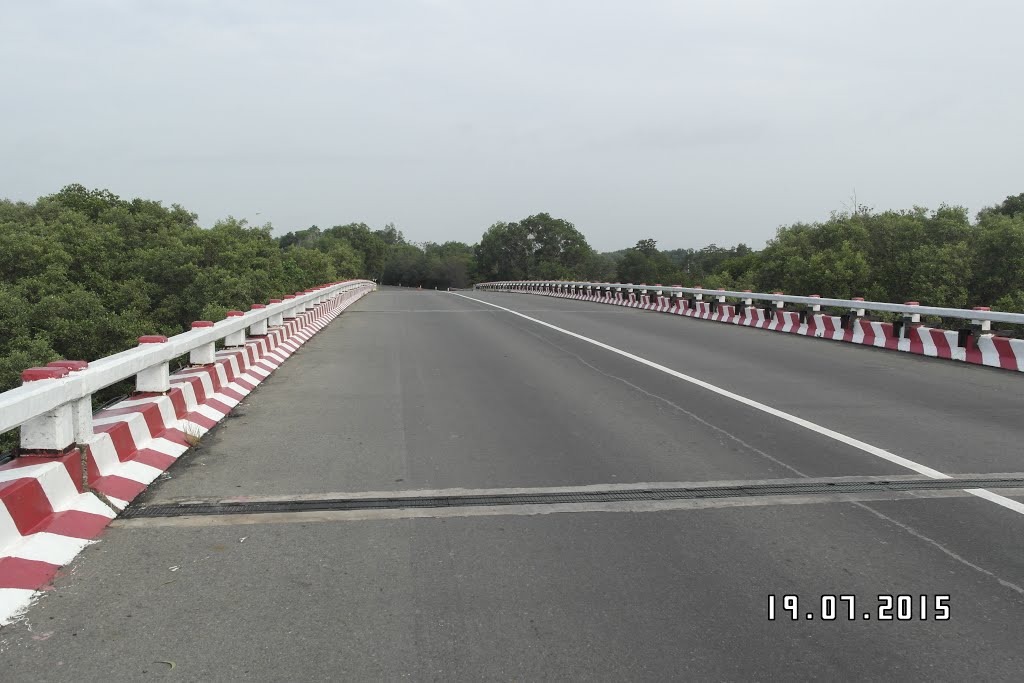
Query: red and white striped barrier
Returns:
{"type": "Point", "coordinates": [45, 520]}
{"type": "Point", "coordinates": [979, 349]}
{"type": "Point", "coordinates": [53, 505]}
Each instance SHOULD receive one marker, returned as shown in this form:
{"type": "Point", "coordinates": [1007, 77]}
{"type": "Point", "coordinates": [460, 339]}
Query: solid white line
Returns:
{"type": "Point", "coordinates": [782, 415]}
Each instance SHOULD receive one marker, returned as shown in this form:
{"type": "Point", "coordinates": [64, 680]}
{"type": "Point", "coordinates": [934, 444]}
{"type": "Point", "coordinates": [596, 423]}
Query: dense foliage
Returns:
{"type": "Point", "coordinates": [939, 258]}
{"type": "Point", "coordinates": [83, 273]}
{"type": "Point", "coordinates": [536, 248]}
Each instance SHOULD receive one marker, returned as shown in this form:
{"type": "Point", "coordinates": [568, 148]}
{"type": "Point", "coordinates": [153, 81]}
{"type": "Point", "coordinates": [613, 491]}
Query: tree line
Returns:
{"type": "Point", "coordinates": [939, 258]}
{"type": "Point", "coordinates": [83, 273]}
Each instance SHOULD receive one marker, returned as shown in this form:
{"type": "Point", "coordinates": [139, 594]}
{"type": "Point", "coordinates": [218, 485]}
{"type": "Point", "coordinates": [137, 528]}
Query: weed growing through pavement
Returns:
{"type": "Point", "coordinates": [192, 435]}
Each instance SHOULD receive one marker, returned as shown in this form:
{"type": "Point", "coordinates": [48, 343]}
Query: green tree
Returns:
{"type": "Point", "coordinates": [537, 247]}
{"type": "Point", "coordinates": [1011, 206]}
{"type": "Point", "coordinates": [997, 263]}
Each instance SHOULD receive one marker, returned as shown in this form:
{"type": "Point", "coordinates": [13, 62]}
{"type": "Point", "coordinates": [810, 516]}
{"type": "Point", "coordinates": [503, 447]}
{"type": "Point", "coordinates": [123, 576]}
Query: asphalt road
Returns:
{"type": "Point", "coordinates": [420, 390]}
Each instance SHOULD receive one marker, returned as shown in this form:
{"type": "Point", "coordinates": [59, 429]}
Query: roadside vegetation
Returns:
{"type": "Point", "coordinates": [83, 273]}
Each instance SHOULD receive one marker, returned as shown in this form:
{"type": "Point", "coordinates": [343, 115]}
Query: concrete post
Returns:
{"type": "Point", "coordinates": [155, 379]}
{"type": "Point", "coordinates": [908, 320]}
{"type": "Point", "coordinates": [984, 326]}
{"type": "Point", "coordinates": [290, 311]}
{"type": "Point", "coordinates": [205, 354]}
{"type": "Point", "coordinates": [809, 310]}
{"type": "Point", "coordinates": [848, 321]}
{"type": "Point", "coordinates": [676, 300]}
{"type": "Point", "coordinates": [976, 329]}
{"type": "Point", "coordinates": [912, 317]}
{"type": "Point", "coordinates": [81, 410]}
{"type": "Point", "coordinates": [235, 339]}
{"type": "Point", "coordinates": [744, 305]}
{"type": "Point", "coordinates": [275, 319]}
{"type": "Point", "coordinates": [258, 329]}
{"type": "Point", "coordinates": [719, 300]}
{"type": "Point", "coordinates": [773, 308]}
{"type": "Point", "coordinates": [52, 432]}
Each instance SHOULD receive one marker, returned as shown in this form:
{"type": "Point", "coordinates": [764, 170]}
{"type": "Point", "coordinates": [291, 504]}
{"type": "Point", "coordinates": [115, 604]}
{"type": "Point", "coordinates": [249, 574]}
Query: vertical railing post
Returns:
{"type": "Point", "coordinates": [258, 328]}
{"type": "Point", "coordinates": [810, 309]}
{"type": "Point", "coordinates": [276, 319]}
{"type": "Point", "coordinates": [235, 339]}
{"type": "Point", "coordinates": [53, 432]}
{"type": "Point", "coordinates": [977, 328]}
{"type": "Point", "coordinates": [676, 300]}
{"type": "Point", "coordinates": [983, 326]}
{"type": "Point", "coordinates": [302, 307]}
{"type": "Point", "coordinates": [696, 299]}
{"type": "Point", "coordinates": [775, 308]}
{"type": "Point", "coordinates": [157, 378]}
{"type": "Point", "coordinates": [205, 354]}
{"type": "Point", "coordinates": [81, 409]}
{"type": "Point", "coordinates": [909, 320]}
{"type": "Point", "coordinates": [849, 320]}
{"type": "Point", "coordinates": [719, 300]}
{"type": "Point", "coordinates": [290, 311]}
{"type": "Point", "coordinates": [745, 304]}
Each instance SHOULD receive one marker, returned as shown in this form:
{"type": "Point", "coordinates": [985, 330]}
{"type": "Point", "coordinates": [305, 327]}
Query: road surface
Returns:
{"type": "Point", "coordinates": [412, 392]}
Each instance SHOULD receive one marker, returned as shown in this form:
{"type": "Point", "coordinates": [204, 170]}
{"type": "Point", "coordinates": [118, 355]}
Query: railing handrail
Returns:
{"type": "Point", "coordinates": [852, 304]}
{"type": "Point", "coordinates": [34, 399]}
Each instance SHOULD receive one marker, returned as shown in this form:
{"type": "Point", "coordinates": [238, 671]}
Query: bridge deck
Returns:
{"type": "Point", "coordinates": [425, 392]}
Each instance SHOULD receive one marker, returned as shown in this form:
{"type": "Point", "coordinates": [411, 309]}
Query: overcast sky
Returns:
{"type": "Point", "coordinates": [691, 122]}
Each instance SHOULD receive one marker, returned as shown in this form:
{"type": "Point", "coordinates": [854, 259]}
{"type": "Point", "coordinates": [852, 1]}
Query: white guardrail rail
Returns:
{"type": "Point", "coordinates": [981, 317]}
{"type": "Point", "coordinates": [52, 408]}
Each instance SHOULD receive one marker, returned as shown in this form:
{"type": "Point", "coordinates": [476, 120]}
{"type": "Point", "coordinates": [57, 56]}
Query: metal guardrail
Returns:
{"type": "Point", "coordinates": [48, 400]}
{"type": "Point", "coordinates": [978, 316]}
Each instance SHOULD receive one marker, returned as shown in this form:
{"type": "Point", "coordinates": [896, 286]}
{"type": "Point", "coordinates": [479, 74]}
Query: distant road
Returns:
{"type": "Point", "coordinates": [699, 467]}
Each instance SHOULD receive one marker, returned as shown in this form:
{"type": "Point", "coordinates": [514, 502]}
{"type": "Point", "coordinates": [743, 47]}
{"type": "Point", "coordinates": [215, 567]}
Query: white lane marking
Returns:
{"type": "Point", "coordinates": [470, 310]}
{"type": "Point", "coordinates": [782, 415]}
{"type": "Point", "coordinates": [997, 499]}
